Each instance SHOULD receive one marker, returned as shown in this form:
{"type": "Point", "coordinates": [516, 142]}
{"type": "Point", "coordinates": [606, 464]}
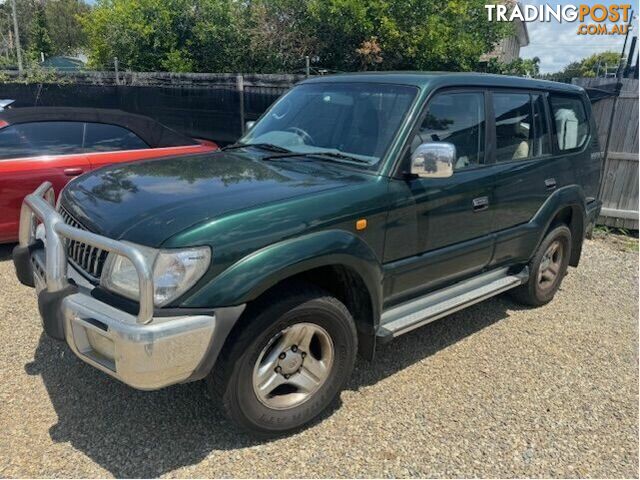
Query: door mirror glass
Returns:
{"type": "Point", "coordinates": [433, 160]}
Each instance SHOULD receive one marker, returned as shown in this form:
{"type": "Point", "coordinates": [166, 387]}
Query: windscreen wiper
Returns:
{"type": "Point", "coordinates": [264, 146]}
{"type": "Point", "coordinates": [331, 156]}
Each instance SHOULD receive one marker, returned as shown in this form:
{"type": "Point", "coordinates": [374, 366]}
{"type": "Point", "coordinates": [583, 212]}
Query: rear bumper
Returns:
{"type": "Point", "coordinates": [146, 351]}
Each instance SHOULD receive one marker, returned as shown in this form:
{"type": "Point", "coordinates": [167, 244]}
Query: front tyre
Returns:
{"type": "Point", "coordinates": [288, 363]}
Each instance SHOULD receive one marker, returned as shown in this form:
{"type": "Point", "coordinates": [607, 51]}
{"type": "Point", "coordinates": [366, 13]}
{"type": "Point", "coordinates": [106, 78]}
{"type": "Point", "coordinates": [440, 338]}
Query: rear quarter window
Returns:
{"type": "Point", "coordinates": [570, 121]}
{"type": "Point", "coordinates": [101, 137]}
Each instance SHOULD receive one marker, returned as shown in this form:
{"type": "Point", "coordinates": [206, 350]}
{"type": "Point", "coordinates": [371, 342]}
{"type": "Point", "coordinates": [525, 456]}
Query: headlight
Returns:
{"type": "Point", "coordinates": [174, 272]}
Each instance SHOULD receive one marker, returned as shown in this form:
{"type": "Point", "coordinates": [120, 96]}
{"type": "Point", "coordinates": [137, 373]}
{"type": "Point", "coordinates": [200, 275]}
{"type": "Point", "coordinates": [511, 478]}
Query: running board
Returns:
{"type": "Point", "coordinates": [416, 313]}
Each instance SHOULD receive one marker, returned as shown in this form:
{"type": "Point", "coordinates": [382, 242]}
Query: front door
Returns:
{"type": "Point", "coordinates": [33, 153]}
{"type": "Point", "coordinates": [439, 229]}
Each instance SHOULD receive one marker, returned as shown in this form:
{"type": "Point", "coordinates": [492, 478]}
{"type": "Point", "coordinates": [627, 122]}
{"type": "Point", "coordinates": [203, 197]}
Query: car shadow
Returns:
{"type": "Point", "coordinates": [119, 427]}
{"type": "Point", "coordinates": [5, 251]}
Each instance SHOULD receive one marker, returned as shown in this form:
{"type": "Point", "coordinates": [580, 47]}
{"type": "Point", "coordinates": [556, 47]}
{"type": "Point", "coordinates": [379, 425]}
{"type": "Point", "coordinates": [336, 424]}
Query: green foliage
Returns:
{"type": "Point", "coordinates": [587, 67]}
{"type": "Point", "coordinates": [411, 34]}
{"type": "Point", "coordinates": [276, 35]}
{"type": "Point", "coordinates": [50, 27]}
{"type": "Point", "coordinates": [25, 14]}
{"type": "Point", "coordinates": [147, 35]}
{"type": "Point", "coordinates": [65, 31]}
{"type": "Point", "coordinates": [34, 74]}
{"type": "Point", "coordinates": [529, 67]}
{"type": "Point", "coordinates": [218, 42]}
{"type": "Point", "coordinates": [177, 61]}
{"type": "Point", "coordinates": [40, 41]}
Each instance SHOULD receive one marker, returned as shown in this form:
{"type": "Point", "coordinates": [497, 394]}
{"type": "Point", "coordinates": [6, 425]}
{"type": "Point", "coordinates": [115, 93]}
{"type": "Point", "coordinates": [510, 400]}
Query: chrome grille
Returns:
{"type": "Point", "coordinates": [86, 257]}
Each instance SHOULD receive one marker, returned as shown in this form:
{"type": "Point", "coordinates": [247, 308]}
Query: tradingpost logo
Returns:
{"type": "Point", "coordinates": [595, 19]}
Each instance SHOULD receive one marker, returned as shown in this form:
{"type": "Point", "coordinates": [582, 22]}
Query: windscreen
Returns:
{"type": "Point", "coordinates": [356, 119]}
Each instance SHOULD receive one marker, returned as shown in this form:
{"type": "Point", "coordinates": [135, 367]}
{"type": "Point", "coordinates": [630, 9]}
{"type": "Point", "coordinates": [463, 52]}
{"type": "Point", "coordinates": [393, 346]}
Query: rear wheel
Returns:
{"type": "Point", "coordinates": [547, 269]}
{"type": "Point", "coordinates": [288, 363]}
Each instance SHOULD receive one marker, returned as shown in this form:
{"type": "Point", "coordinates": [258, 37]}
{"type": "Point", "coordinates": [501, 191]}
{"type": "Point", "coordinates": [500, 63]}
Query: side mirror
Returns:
{"type": "Point", "coordinates": [249, 125]}
{"type": "Point", "coordinates": [433, 160]}
{"type": "Point", "coordinates": [5, 104]}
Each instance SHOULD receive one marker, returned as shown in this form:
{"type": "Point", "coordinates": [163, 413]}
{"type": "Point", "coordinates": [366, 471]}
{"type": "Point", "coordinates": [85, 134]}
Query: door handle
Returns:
{"type": "Point", "coordinates": [480, 204]}
{"type": "Point", "coordinates": [550, 183]}
{"type": "Point", "coordinates": [73, 171]}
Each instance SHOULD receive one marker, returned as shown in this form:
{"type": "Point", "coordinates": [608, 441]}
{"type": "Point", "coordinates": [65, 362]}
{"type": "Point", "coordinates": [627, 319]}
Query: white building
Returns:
{"type": "Point", "coordinates": [508, 49]}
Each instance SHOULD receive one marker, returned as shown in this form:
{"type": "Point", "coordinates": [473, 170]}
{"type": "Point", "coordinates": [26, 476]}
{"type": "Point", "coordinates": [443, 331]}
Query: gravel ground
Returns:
{"type": "Point", "coordinates": [493, 391]}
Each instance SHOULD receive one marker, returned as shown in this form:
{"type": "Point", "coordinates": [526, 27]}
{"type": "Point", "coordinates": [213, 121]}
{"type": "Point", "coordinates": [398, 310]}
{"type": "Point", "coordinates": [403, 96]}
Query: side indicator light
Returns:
{"type": "Point", "coordinates": [361, 224]}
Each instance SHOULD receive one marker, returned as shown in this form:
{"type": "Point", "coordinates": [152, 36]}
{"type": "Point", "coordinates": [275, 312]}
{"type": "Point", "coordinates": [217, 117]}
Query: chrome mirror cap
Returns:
{"type": "Point", "coordinates": [433, 160]}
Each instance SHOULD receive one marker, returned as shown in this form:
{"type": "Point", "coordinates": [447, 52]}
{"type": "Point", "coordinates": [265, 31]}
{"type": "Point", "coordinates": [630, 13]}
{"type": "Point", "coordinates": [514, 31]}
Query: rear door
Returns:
{"type": "Point", "coordinates": [30, 154]}
{"type": "Point", "coordinates": [529, 165]}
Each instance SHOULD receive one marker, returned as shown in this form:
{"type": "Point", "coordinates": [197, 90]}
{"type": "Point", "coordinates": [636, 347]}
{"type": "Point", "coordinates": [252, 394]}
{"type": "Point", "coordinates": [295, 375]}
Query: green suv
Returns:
{"type": "Point", "coordinates": [358, 208]}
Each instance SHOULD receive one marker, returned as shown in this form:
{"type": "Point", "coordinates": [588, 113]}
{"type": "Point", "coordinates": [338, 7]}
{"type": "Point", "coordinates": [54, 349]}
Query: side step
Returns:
{"type": "Point", "coordinates": [418, 312]}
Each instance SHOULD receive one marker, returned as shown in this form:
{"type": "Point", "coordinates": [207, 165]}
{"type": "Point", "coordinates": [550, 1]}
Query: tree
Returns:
{"type": "Point", "coordinates": [596, 64]}
{"type": "Point", "coordinates": [50, 27]}
{"type": "Point", "coordinates": [218, 43]}
{"type": "Point", "coordinates": [411, 34]}
{"type": "Point", "coordinates": [25, 15]}
{"type": "Point", "coordinates": [140, 33]}
{"type": "Point", "coordinates": [529, 67]}
{"type": "Point", "coordinates": [276, 35]}
{"type": "Point", "coordinates": [65, 31]}
{"type": "Point", "coordinates": [178, 35]}
{"type": "Point", "coordinates": [40, 41]}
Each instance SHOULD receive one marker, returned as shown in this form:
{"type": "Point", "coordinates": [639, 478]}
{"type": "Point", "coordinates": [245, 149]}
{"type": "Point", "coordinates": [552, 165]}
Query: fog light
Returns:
{"type": "Point", "coordinates": [101, 344]}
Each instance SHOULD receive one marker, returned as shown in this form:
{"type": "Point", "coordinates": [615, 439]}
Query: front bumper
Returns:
{"type": "Point", "coordinates": [146, 351]}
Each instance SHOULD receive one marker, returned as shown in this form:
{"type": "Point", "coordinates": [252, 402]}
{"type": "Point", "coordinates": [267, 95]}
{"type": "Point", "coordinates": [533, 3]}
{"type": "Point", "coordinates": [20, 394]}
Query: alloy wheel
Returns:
{"type": "Point", "coordinates": [295, 363]}
{"type": "Point", "coordinates": [550, 265]}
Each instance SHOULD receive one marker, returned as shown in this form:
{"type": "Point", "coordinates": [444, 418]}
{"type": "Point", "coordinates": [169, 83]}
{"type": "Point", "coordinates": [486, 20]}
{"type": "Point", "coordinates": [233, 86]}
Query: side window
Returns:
{"type": "Point", "coordinates": [570, 121]}
{"type": "Point", "coordinates": [101, 137]}
{"type": "Point", "coordinates": [12, 144]}
{"type": "Point", "coordinates": [456, 118]}
{"type": "Point", "coordinates": [514, 126]}
{"type": "Point", "coordinates": [41, 138]}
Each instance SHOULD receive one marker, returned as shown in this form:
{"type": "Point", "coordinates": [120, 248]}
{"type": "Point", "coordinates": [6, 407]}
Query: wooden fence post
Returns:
{"type": "Point", "coordinates": [115, 64]}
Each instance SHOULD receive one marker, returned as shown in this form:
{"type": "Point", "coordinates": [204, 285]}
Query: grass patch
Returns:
{"type": "Point", "coordinates": [622, 238]}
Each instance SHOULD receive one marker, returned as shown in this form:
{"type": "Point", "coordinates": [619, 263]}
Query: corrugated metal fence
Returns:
{"type": "Point", "coordinates": [619, 190]}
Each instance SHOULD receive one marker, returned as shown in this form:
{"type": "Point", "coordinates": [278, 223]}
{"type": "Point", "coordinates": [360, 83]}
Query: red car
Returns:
{"type": "Point", "coordinates": [57, 144]}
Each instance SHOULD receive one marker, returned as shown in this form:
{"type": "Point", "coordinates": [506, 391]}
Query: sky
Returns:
{"type": "Point", "coordinates": [558, 44]}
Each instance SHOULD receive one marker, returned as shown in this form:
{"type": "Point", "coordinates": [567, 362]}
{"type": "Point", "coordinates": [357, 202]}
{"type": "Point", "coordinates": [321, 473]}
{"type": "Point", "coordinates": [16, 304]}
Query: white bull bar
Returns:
{"type": "Point", "coordinates": [40, 205]}
{"type": "Point", "coordinates": [143, 351]}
